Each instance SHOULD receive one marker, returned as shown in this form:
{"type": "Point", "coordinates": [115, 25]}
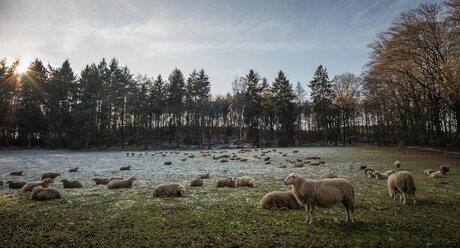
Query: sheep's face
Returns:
{"type": "Point", "coordinates": [291, 179]}
{"type": "Point", "coordinates": [48, 180]}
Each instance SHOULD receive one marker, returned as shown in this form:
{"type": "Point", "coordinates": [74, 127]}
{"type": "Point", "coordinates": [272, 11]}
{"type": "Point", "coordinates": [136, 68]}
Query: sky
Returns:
{"type": "Point", "coordinates": [225, 38]}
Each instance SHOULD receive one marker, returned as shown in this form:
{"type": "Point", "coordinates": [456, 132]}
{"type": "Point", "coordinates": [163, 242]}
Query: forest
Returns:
{"type": "Point", "coordinates": [407, 94]}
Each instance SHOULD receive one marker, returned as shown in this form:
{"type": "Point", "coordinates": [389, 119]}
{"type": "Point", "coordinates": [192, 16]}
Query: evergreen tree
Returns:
{"type": "Point", "coordinates": [284, 103]}
{"type": "Point", "coordinates": [253, 105]}
{"type": "Point", "coordinates": [321, 95]}
{"type": "Point", "coordinates": [175, 98]}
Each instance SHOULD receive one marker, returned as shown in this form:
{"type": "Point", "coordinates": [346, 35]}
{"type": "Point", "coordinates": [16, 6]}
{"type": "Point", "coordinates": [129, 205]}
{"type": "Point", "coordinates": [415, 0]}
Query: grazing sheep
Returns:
{"type": "Point", "coordinates": [196, 183]}
{"type": "Point", "coordinates": [279, 200]}
{"type": "Point", "coordinates": [245, 181]}
{"type": "Point", "coordinates": [397, 164]}
{"type": "Point", "coordinates": [327, 175]}
{"type": "Point", "coordinates": [389, 172]}
{"type": "Point", "coordinates": [43, 194]}
{"type": "Point", "coordinates": [16, 173]}
{"type": "Point", "coordinates": [401, 182]}
{"type": "Point", "coordinates": [322, 193]}
{"type": "Point", "coordinates": [15, 185]}
{"type": "Point", "coordinates": [203, 175]}
{"type": "Point", "coordinates": [380, 176]}
{"type": "Point", "coordinates": [31, 185]}
{"type": "Point", "coordinates": [444, 169]}
{"type": "Point", "coordinates": [75, 169]}
{"type": "Point", "coordinates": [428, 171]}
{"type": "Point", "coordinates": [171, 189]}
{"type": "Point", "coordinates": [436, 174]}
{"type": "Point", "coordinates": [168, 163]}
{"type": "Point", "coordinates": [71, 184]}
{"type": "Point", "coordinates": [226, 182]}
{"type": "Point", "coordinates": [103, 181]}
{"type": "Point", "coordinates": [125, 168]}
{"type": "Point", "coordinates": [117, 184]}
{"type": "Point", "coordinates": [49, 174]}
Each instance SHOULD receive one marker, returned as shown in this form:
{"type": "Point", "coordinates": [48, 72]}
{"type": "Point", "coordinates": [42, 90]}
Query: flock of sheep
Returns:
{"type": "Point", "coordinates": [325, 191]}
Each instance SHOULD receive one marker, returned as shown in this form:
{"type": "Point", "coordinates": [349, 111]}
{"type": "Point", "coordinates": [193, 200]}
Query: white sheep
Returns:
{"type": "Point", "coordinates": [380, 176]}
{"type": "Point", "coordinates": [397, 164]}
{"type": "Point", "coordinates": [279, 200]}
{"type": "Point", "coordinates": [226, 182]}
{"type": "Point", "coordinates": [428, 171]}
{"type": "Point", "coordinates": [436, 174]}
{"type": "Point", "coordinates": [117, 184]}
{"type": "Point", "coordinates": [245, 181]}
{"type": "Point", "coordinates": [322, 193]}
{"type": "Point", "coordinates": [170, 189]}
{"type": "Point", "coordinates": [401, 182]}
{"type": "Point", "coordinates": [31, 185]}
{"type": "Point", "coordinates": [42, 194]}
{"type": "Point", "coordinates": [389, 172]}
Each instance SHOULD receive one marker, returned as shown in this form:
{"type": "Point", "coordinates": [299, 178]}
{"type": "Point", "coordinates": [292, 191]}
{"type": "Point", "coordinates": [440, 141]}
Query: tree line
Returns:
{"type": "Point", "coordinates": [408, 93]}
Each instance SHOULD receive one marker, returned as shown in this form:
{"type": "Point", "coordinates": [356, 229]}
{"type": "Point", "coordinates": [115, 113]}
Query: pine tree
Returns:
{"type": "Point", "coordinates": [283, 101]}
{"type": "Point", "coordinates": [321, 95]}
{"type": "Point", "coordinates": [175, 99]}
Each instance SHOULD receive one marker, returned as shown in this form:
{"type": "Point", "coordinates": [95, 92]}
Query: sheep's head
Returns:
{"type": "Point", "coordinates": [47, 181]}
{"type": "Point", "coordinates": [291, 179]}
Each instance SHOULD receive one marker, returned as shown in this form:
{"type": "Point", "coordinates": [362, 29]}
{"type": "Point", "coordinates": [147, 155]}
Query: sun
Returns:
{"type": "Point", "coordinates": [22, 66]}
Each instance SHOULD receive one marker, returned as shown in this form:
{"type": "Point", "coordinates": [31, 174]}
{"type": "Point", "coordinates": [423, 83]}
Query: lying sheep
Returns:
{"type": "Point", "coordinates": [367, 169]}
{"type": "Point", "coordinates": [196, 183]}
{"type": "Point", "coordinates": [105, 181]}
{"type": "Point", "coordinates": [389, 172]}
{"type": "Point", "coordinates": [71, 184]}
{"type": "Point", "coordinates": [171, 189]}
{"type": "Point", "coordinates": [226, 182]}
{"type": "Point", "coordinates": [49, 174]}
{"type": "Point", "coordinates": [279, 200]}
{"type": "Point", "coordinates": [31, 185]}
{"type": "Point", "coordinates": [444, 169]}
{"type": "Point", "coordinates": [75, 169]}
{"type": "Point", "coordinates": [125, 168]}
{"type": "Point", "coordinates": [436, 174]}
{"type": "Point", "coordinates": [203, 175]}
{"type": "Point", "coordinates": [428, 171]}
{"type": "Point", "coordinates": [16, 173]}
{"type": "Point", "coordinates": [327, 175]}
{"type": "Point", "coordinates": [42, 194]}
{"type": "Point", "coordinates": [245, 181]}
{"type": "Point", "coordinates": [15, 185]}
{"type": "Point", "coordinates": [117, 184]}
{"type": "Point", "coordinates": [370, 174]}
{"type": "Point", "coordinates": [168, 163]}
{"type": "Point", "coordinates": [322, 193]}
{"type": "Point", "coordinates": [401, 182]}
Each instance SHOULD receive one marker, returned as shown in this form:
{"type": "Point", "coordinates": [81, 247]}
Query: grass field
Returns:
{"type": "Point", "coordinates": [231, 217]}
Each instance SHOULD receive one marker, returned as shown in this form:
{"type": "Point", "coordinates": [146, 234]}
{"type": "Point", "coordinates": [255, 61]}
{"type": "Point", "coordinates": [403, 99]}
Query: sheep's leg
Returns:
{"type": "Point", "coordinates": [414, 199]}
{"type": "Point", "coordinates": [404, 198]}
{"type": "Point", "coordinates": [311, 213]}
{"type": "Point", "coordinates": [307, 209]}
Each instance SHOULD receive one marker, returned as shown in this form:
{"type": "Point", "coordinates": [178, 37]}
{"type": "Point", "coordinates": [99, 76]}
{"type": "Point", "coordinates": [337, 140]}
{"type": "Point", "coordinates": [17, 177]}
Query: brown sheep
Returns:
{"type": "Point", "coordinates": [401, 182]}
{"type": "Point", "coordinates": [322, 193]}
{"type": "Point", "coordinates": [103, 181]}
{"type": "Point", "coordinates": [75, 169]}
{"type": "Point", "coordinates": [71, 184]}
{"type": "Point", "coordinates": [125, 168]}
{"type": "Point", "coordinates": [31, 185]}
{"type": "Point", "coordinates": [171, 189]}
{"type": "Point", "coordinates": [196, 182]}
{"type": "Point", "coordinates": [42, 194]}
{"type": "Point", "coordinates": [15, 185]}
{"type": "Point", "coordinates": [16, 173]}
{"type": "Point", "coordinates": [49, 174]}
{"type": "Point", "coordinates": [117, 184]}
{"type": "Point", "coordinates": [279, 200]}
{"type": "Point", "coordinates": [226, 182]}
{"type": "Point", "coordinates": [204, 175]}
{"type": "Point", "coordinates": [168, 162]}
{"type": "Point", "coordinates": [245, 181]}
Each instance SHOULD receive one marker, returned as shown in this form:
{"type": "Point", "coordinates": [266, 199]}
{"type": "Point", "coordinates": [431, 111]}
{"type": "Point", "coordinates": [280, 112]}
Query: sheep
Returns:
{"type": "Point", "coordinates": [223, 160]}
{"type": "Point", "coordinates": [226, 182]}
{"type": "Point", "coordinates": [31, 185]}
{"type": "Point", "coordinates": [370, 174]}
{"type": "Point", "coordinates": [103, 181]}
{"type": "Point", "coordinates": [436, 174]}
{"type": "Point", "coordinates": [401, 182]}
{"type": "Point", "coordinates": [75, 169]}
{"type": "Point", "coordinates": [168, 163]}
{"type": "Point", "coordinates": [279, 200]}
{"type": "Point", "coordinates": [244, 160]}
{"type": "Point", "coordinates": [125, 168]}
{"type": "Point", "coordinates": [444, 169]}
{"type": "Point", "coordinates": [368, 169]}
{"type": "Point", "coordinates": [42, 194]}
{"type": "Point", "coordinates": [328, 175]}
{"type": "Point", "coordinates": [266, 159]}
{"type": "Point", "coordinates": [389, 172]}
{"type": "Point", "coordinates": [245, 181]}
{"type": "Point", "coordinates": [71, 184]}
{"type": "Point", "coordinates": [322, 193]}
{"type": "Point", "coordinates": [380, 176]}
{"type": "Point", "coordinates": [428, 171]}
{"type": "Point", "coordinates": [15, 185]}
{"type": "Point", "coordinates": [16, 173]}
{"type": "Point", "coordinates": [203, 175]}
{"type": "Point", "coordinates": [196, 183]}
{"type": "Point", "coordinates": [49, 174]}
{"type": "Point", "coordinates": [397, 164]}
{"type": "Point", "coordinates": [171, 189]}
{"type": "Point", "coordinates": [117, 184]}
